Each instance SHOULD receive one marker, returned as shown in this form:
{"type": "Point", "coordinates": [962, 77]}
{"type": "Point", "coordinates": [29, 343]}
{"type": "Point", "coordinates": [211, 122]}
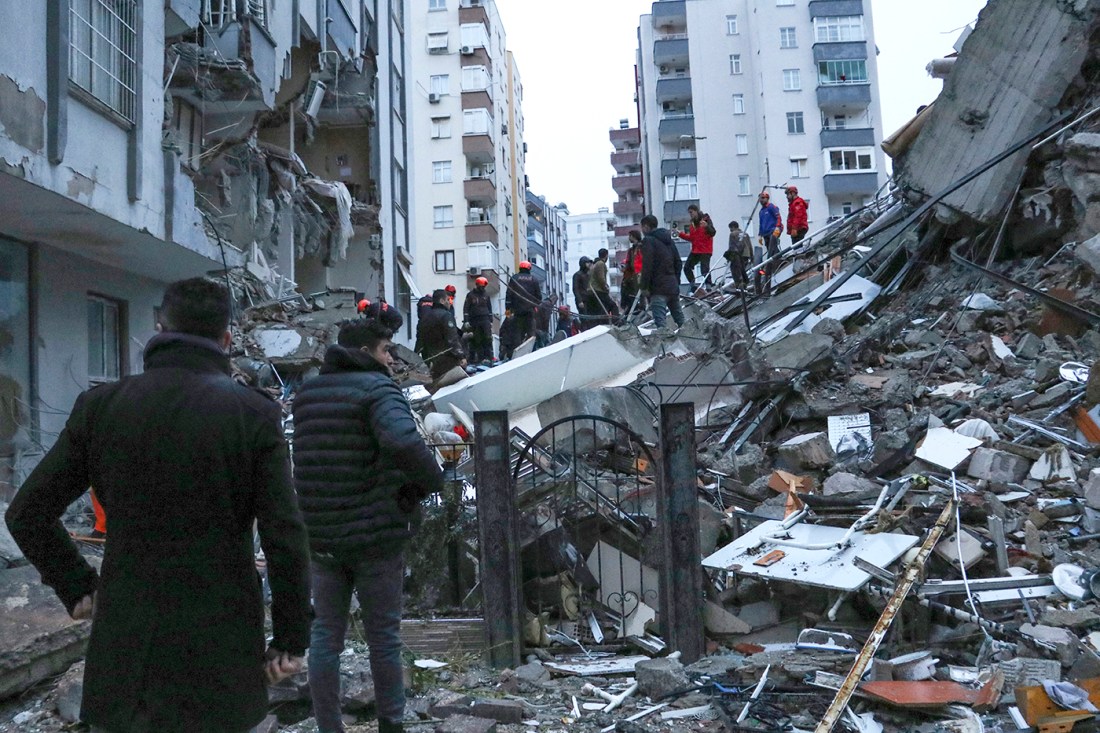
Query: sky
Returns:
{"type": "Point", "coordinates": [576, 59]}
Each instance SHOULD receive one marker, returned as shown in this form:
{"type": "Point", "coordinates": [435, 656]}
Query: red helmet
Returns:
{"type": "Point", "coordinates": [362, 305]}
{"type": "Point", "coordinates": [525, 265]}
{"type": "Point", "coordinates": [792, 189]}
{"type": "Point", "coordinates": [482, 281]}
{"type": "Point", "coordinates": [451, 289]}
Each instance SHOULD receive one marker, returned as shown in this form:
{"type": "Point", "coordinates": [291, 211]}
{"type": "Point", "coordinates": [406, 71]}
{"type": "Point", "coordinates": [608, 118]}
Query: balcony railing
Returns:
{"type": "Point", "coordinates": [627, 183]}
{"type": "Point", "coordinates": [852, 137]}
{"type": "Point", "coordinates": [856, 94]}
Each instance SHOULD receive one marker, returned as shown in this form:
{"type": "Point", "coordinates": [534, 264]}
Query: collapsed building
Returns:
{"type": "Point", "coordinates": [890, 503]}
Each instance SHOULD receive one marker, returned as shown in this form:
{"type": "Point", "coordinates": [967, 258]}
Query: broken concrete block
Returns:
{"type": "Point", "coordinates": [509, 712]}
{"type": "Point", "coordinates": [999, 467]}
{"type": "Point", "coordinates": [807, 451]}
{"type": "Point", "coordinates": [849, 483]}
{"type": "Point", "coordinates": [659, 677]}
{"type": "Point", "coordinates": [466, 724]}
{"type": "Point", "coordinates": [1092, 489]}
{"type": "Point", "coordinates": [70, 691]}
{"type": "Point", "coordinates": [455, 703]}
{"type": "Point", "coordinates": [799, 351]}
{"type": "Point", "coordinates": [1053, 396]}
{"type": "Point", "coordinates": [1029, 346]}
{"type": "Point", "coordinates": [533, 672]}
{"type": "Point", "coordinates": [1088, 252]}
{"type": "Point", "coordinates": [1063, 640]}
{"type": "Point", "coordinates": [1079, 619]}
{"type": "Point", "coordinates": [830, 327]}
{"type": "Point", "coordinates": [718, 620]}
{"type": "Point", "coordinates": [971, 549]}
{"type": "Point", "coordinates": [759, 615]}
{"type": "Point", "coordinates": [1054, 465]}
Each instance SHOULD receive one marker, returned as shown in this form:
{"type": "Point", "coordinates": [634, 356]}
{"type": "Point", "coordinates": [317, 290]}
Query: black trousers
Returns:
{"type": "Point", "coordinates": [525, 325]}
{"type": "Point", "coordinates": [481, 341]}
{"type": "Point", "coordinates": [704, 266]}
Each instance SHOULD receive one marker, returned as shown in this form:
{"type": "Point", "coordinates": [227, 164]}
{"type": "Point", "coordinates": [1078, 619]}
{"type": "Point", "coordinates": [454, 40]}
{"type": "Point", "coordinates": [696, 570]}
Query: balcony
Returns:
{"type": "Point", "coordinates": [478, 147]}
{"type": "Point", "coordinates": [624, 159]}
{"type": "Point", "coordinates": [471, 13]}
{"type": "Point", "coordinates": [843, 96]}
{"type": "Point", "coordinates": [825, 8]}
{"type": "Point", "coordinates": [621, 138]}
{"type": "Point", "coordinates": [670, 51]}
{"type": "Point", "coordinates": [627, 208]}
{"type": "Point", "coordinates": [180, 16]}
{"type": "Point", "coordinates": [478, 56]}
{"type": "Point", "coordinates": [535, 249]}
{"type": "Point", "coordinates": [677, 211]}
{"type": "Point", "coordinates": [477, 100]}
{"type": "Point", "coordinates": [843, 184]}
{"type": "Point", "coordinates": [684, 166]}
{"type": "Point", "coordinates": [627, 184]}
{"type": "Point", "coordinates": [250, 42]}
{"type": "Point", "coordinates": [624, 231]}
{"type": "Point", "coordinates": [841, 51]}
{"type": "Point", "coordinates": [479, 231]}
{"type": "Point", "coordinates": [856, 137]}
{"type": "Point", "coordinates": [341, 29]}
{"type": "Point", "coordinates": [674, 89]}
{"type": "Point", "coordinates": [672, 127]}
{"type": "Point", "coordinates": [480, 190]}
{"type": "Point", "coordinates": [669, 14]}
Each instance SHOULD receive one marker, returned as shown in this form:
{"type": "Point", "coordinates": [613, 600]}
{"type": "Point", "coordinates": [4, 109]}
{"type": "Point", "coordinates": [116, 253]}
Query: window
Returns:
{"type": "Point", "coordinates": [441, 171]}
{"type": "Point", "coordinates": [187, 132]}
{"type": "Point", "coordinates": [104, 340]}
{"type": "Point", "coordinates": [735, 63]}
{"type": "Point", "coordinates": [743, 186]}
{"type": "Point", "coordinates": [846, 160]}
{"type": "Point", "coordinates": [476, 122]}
{"type": "Point", "coordinates": [792, 80]}
{"type": "Point", "coordinates": [852, 71]}
{"type": "Point", "coordinates": [444, 260]}
{"type": "Point", "coordinates": [742, 144]}
{"type": "Point", "coordinates": [795, 123]}
{"type": "Point", "coordinates": [474, 35]}
{"type": "Point", "coordinates": [681, 188]}
{"type": "Point", "coordinates": [838, 28]}
{"type": "Point", "coordinates": [437, 42]}
{"type": "Point", "coordinates": [103, 49]}
{"type": "Point", "coordinates": [787, 38]}
{"type": "Point", "coordinates": [475, 78]}
{"type": "Point", "coordinates": [798, 168]}
{"type": "Point", "coordinates": [443, 217]}
{"type": "Point", "coordinates": [780, 3]}
{"type": "Point", "coordinates": [441, 127]}
{"type": "Point", "coordinates": [731, 25]}
{"type": "Point", "coordinates": [578, 229]}
{"type": "Point", "coordinates": [739, 104]}
{"type": "Point", "coordinates": [437, 4]}
{"type": "Point", "coordinates": [440, 84]}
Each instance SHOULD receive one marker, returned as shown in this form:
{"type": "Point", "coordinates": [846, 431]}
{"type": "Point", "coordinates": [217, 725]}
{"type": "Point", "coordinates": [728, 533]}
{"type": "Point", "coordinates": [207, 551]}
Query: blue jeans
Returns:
{"type": "Point", "coordinates": [661, 305]}
{"type": "Point", "coordinates": [378, 585]}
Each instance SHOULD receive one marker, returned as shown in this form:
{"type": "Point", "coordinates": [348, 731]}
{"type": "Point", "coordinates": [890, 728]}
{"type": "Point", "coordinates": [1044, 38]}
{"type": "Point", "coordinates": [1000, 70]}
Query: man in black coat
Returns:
{"type": "Point", "coordinates": [580, 292]}
{"type": "Point", "coordinates": [661, 267]}
{"type": "Point", "coordinates": [361, 470]}
{"type": "Point", "coordinates": [184, 460]}
{"type": "Point", "coordinates": [440, 344]}
{"type": "Point", "coordinates": [477, 311]}
{"type": "Point", "coordinates": [524, 295]}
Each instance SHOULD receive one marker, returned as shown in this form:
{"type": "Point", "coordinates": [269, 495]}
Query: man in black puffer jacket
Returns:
{"type": "Point", "coordinates": [661, 268]}
{"type": "Point", "coordinates": [361, 469]}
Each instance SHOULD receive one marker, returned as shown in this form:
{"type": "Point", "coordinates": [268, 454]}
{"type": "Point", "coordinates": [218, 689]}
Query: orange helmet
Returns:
{"type": "Point", "coordinates": [362, 305]}
{"type": "Point", "coordinates": [451, 289]}
{"type": "Point", "coordinates": [792, 189]}
{"type": "Point", "coordinates": [525, 265]}
{"type": "Point", "coordinates": [482, 281]}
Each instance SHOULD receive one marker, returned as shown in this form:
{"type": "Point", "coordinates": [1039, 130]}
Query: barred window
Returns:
{"type": "Point", "coordinates": [103, 51]}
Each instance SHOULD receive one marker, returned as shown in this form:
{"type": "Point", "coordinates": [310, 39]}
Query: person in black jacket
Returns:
{"type": "Point", "coordinates": [477, 311]}
{"type": "Point", "coordinates": [524, 295]}
{"type": "Point", "coordinates": [184, 460]}
{"type": "Point", "coordinates": [580, 291]}
{"type": "Point", "coordinates": [361, 470]}
{"type": "Point", "coordinates": [661, 267]}
{"type": "Point", "coordinates": [509, 337]}
{"type": "Point", "coordinates": [440, 344]}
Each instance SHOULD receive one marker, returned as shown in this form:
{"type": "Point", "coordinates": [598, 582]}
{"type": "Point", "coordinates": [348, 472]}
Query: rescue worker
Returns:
{"type": "Point", "coordinates": [700, 232]}
{"type": "Point", "coordinates": [440, 344]}
{"type": "Point", "coordinates": [524, 295]}
{"type": "Point", "coordinates": [797, 219]}
{"type": "Point", "coordinates": [632, 271]}
{"type": "Point", "coordinates": [509, 339]}
{"type": "Point", "coordinates": [600, 305]}
{"type": "Point", "coordinates": [771, 226]}
{"type": "Point", "coordinates": [580, 292]}
{"type": "Point", "coordinates": [477, 312]}
{"type": "Point", "coordinates": [452, 291]}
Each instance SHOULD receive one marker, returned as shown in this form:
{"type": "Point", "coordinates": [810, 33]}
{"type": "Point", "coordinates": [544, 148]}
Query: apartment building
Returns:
{"type": "Point", "coordinates": [142, 143]}
{"type": "Point", "coordinates": [547, 243]}
{"type": "Point", "coordinates": [737, 96]}
{"type": "Point", "coordinates": [466, 148]}
{"type": "Point", "coordinates": [628, 183]}
{"type": "Point", "coordinates": [588, 234]}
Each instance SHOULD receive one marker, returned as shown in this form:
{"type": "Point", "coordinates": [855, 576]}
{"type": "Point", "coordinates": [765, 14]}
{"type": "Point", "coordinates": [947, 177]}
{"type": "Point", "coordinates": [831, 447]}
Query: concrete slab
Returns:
{"type": "Point", "coordinates": [856, 285]}
{"type": "Point", "coordinates": [38, 640]}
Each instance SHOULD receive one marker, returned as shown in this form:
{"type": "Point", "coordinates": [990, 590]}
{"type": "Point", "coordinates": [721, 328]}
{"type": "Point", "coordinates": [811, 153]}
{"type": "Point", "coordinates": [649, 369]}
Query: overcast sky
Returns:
{"type": "Point", "coordinates": [576, 59]}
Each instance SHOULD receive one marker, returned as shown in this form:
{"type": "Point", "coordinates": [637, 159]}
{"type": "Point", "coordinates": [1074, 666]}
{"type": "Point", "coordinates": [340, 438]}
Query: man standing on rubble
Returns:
{"type": "Point", "coordinates": [738, 254]}
{"type": "Point", "coordinates": [580, 292]}
{"type": "Point", "coordinates": [771, 227]}
{"type": "Point", "coordinates": [184, 460]}
{"type": "Point", "coordinates": [477, 311]}
{"type": "Point", "coordinates": [700, 232]}
{"type": "Point", "coordinates": [600, 305]}
{"type": "Point", "coordinates": [798, 223]}
{"type": "Point", "coordinates": [661, 266]}
{"type": "Point", "coordinates": [440, 344]}
{"type": "Point", "coordinates": [361, 470]}
{"type": "Point", "coordinates": [524, 295]}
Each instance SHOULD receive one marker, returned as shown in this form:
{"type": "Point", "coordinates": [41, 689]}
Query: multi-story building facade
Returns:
{"type": "Point", "coordinates": [588, 234]}
{"type": "Point", "coordinates": [467, 150]}
{"type": "Point", "coordinates": [142, 143]}
{"type": "Point", "coordinates": [547, 243]}
{"type": "Point", "coordinates": [629, 184]}
{"type": "Point", "coordinates": [740, 95]}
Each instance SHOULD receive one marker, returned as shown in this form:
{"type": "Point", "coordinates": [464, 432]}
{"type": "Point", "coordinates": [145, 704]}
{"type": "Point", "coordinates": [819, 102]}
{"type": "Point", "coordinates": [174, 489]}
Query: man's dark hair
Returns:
{"type": "Point", "coordinates": [197, 306]}
{"type": "Point", "coordinates": [734, 224]}
{"type": "Point", "coordinates": [355, 333]}
{"type": "Point", "coordinates": [693, 207]}
{"type": "Point", "coordinates": [441, 297]}
{"type": "Point", "coordinates": [649, 220]}
{"type": "Point", "coordinates": [602, 253]}
{"type": "Point", "coordinates": [635, 235]}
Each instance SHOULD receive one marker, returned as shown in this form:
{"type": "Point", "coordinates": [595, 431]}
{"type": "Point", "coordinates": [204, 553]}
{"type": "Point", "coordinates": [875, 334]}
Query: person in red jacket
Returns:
{"type": "Point", "coordinates": [700, 233]}
{"type": "Point", "coordinates": [797, 222]}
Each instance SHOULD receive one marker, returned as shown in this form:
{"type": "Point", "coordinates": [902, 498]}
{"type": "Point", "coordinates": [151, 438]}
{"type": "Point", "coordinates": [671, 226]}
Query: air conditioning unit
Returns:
{"type": "Point", "coordinates": [467, 50]}
{"type": "Point", "coordinates": [434, 98]}
{"type": "Point", "coordinates": [663, 69]}
{"type": "Point", "coordinates": [473, 272]}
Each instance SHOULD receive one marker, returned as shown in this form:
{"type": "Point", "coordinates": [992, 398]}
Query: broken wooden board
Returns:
{"type": "Point", "coordinates": [931, 694]}
{"type": "Point", "coordinates": [581, 667]}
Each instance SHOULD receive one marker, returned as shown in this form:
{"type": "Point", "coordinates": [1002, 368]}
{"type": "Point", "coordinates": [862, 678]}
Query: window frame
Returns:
{"type": "Point", "coordinates": [736, 68]}
{"type": "Point", "coordinates": [103, 61]}
{"type": "Point", "coordinates": [447, 254]}
{"type": "Point", "coordinates": [442, 171]}
{"type": "Point", "coordinates": [732, 28]}
{"type": "Point", "coordinates": [439, 48]}
{"type": "Point", "coordinates": [796, 123]}
{"type": "Point", "coordinates": [674, 184]}
{"type": "Point", "coordinates": [739, 104]}
{"type": "Point", "coordinates": [436, 5]}
{"type": "Point", "coordinates": [741, 143]}
{"type": "Point", "coordinates": [788, 37]}
{"type": "Point", "coordinates": [744, 186]}
{"type": "Point", "coordinates": [117, 349]}
{"type": "Point", "coordinates": [838, 29]}
{"type": "Point", "coordinates": [829, 72]}
{"type": "Point", "coordinates": [441, 128]}
{"type": "Point", "coordinates": [443, 216]}
{"type": "Point", "coordinates": [800, 166]}
{"type": "Point", "coordinates": [857, 153]}
{"type": "Point", "coordinates": [468, 115]}
{"type": "Point", "coordinates": [792, 80]}
{"type": "Point", "coordinates": [439, 84]}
